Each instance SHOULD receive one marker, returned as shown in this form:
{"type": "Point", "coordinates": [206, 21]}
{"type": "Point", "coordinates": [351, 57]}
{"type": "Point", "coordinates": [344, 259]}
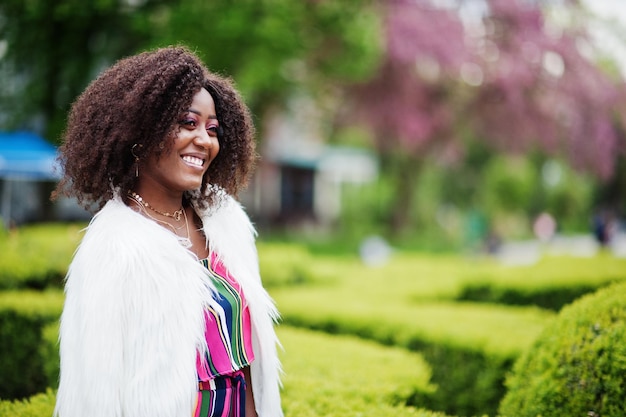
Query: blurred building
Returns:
{"type": "Point", "coordinates": [300, 177]}
{"type": "Point", "coordinates": [298, 181]}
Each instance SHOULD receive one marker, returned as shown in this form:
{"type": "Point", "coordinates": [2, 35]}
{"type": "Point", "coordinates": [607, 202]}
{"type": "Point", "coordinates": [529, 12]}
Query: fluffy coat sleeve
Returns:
{"type": "Point", "coordinates": [132, 322]}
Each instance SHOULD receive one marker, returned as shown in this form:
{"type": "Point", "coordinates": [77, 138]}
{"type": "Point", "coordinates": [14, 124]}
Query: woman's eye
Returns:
{"type": "Point", "coordinates": [212, 129]}
{"type": "Point", "coordinates": [188, 123]}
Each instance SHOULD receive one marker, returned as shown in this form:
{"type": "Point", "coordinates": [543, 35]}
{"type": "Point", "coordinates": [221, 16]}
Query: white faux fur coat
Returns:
{"type": "Point", "coordinates": [133, 319]}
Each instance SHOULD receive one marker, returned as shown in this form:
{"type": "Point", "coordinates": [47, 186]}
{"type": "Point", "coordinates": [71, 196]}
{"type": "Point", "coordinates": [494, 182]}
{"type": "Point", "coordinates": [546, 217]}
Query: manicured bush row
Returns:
{"type": "Point", "coordinates": [39, 405]}
{"type": "Point", "coordinates": [37, 257]}
{"type": "Point", "coordinates": [468, 383]}
{"type": "Point", "coordinates": [50, 353]}
{"type": "Point", "coordinates": [24, 344]}
{"type": "Point", "coordinates": [553, 298]}
{"type": "Point", "coordinates": [325, 376]}
{"type": "Point", "coordinates": [552, 283]}
{"type": "Point", "coordinates": [577, 367]}
{"type": "Point", "coordinates": [336, 376]}
{"type": "Point", "coordinates": [469, 347]}
{"type": "Point", "coordinates": [284, 264]}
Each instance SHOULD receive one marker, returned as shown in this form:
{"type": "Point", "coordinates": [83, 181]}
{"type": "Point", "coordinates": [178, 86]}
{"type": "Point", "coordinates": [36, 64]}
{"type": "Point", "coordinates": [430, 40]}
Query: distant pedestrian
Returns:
{"type": "Point", "coordinates": [603, 226]}
{"type": "Point", "coordinates": [544, 227]}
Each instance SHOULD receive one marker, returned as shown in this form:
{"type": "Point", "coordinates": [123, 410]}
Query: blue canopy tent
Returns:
{"type": "Point", "coordinates": [24, 157]}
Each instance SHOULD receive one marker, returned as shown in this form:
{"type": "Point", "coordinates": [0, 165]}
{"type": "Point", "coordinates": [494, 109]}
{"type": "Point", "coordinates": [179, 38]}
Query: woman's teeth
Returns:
{"type": "Point", "coordinates": [193, 160]}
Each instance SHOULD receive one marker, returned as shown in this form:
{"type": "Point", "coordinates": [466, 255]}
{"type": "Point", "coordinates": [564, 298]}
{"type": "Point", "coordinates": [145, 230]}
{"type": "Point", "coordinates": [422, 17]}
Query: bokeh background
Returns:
{"type": "Point", "coordinates": [437, 124]}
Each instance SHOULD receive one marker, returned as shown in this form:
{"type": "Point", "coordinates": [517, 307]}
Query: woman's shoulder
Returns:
{"type": "Point", "coordinates": [117, 229]}
{"type": "Point", "coordinates": [227, 213]}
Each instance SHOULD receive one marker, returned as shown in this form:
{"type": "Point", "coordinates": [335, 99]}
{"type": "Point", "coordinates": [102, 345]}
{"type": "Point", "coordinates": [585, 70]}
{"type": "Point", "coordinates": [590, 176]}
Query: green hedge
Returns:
{"type": "Point", "coordinates": [325, 376]}
{"type": "Point", "coordinates": [40, 405]}
{"type": "Point", "coordinates": [411, 302]}
{"type": "Point", "coordinates": [37, 257]}
{"type": "Point", "coordinates": [50, 353]}
{"type": "Point", "coordinates": [284, 264]}
{"type": "Point", "coordinates": [470, 347]}
{"type": "Point", "coordinates": [552, 283]}
{"type": "Point", "coordinates": [336, 376]}
{"type": "Point", "coordinates": [25, 346]}
{"type": "Point", "coordinates": [577, 367]}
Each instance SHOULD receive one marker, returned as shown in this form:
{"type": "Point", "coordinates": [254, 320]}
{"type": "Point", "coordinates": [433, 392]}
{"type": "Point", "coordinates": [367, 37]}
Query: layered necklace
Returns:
{"type": "Point", "coordinates": [176, 215]}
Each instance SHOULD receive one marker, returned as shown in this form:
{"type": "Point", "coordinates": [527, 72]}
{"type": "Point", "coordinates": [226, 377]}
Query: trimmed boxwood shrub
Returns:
{"type": "Point", "coordinates": [37, 257]}
{"type": "Point", "coordinates": [335, 375]}
{"type": "Point", "coordinates": [468, 383]}
{"type": "Point", "coordinates": [552, 283]}
{"type": "Point", "coordinates": [553, 298]}
{"type": "Point", "coordinates": [40, 405]}
{"type": "Point", "coordinates": [284, 264]}
{"type": "Point", "coordinates": [470, 347]}
{"type": "Point", "coordinates": [325, 376]}
{"type": "Point", "coordinates": [21, 364]}
{"type": "Point", "coordinates": [577, 367]}
{"type": "Point", "coordinates": [49, 351]}
{"type": "Point", "coordinates": [24, 344]}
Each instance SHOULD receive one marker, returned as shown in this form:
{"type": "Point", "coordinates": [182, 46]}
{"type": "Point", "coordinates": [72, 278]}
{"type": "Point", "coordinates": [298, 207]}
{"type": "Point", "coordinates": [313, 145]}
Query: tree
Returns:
{"type": "Point", "coordinates": [270, 47]}
{"type": "Point", "coordinates": [274, 49]}
{"type": "Point", "coordinates": [506, 79]}
{"type": "Point", "coordinates": [410, 103]}
{"type": "Point", "coordinates": [54, 48]}
{"type": "Point", "coordinates": [540, 91]}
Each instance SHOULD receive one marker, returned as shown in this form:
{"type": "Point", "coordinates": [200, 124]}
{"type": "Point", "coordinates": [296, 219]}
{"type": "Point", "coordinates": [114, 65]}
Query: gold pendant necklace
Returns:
{"type": "Point", "coordinates": [176, 215]}
{"type": "Point", "coordinates": [182, 240]}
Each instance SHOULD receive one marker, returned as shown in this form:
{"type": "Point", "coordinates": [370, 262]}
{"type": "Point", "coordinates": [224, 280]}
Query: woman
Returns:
{"type": "Point", "coordinates": [165, 313]}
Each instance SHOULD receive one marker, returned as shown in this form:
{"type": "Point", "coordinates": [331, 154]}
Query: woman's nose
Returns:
{"type": "Point", "coordinates": [204, 139]}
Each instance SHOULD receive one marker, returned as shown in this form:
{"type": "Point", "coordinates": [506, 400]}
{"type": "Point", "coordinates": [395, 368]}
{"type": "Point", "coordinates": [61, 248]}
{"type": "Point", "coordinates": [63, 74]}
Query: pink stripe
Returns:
{"type": "Point", "coordinates": [222, 358]}
{"type": "Point", "coordinates": [198, 404]}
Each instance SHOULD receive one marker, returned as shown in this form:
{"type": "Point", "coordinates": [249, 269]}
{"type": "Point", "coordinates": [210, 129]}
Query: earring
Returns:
{"type": "Point", "coordinates": [162, 145]}
{"type": "Point", "coordinates": [132, 152]}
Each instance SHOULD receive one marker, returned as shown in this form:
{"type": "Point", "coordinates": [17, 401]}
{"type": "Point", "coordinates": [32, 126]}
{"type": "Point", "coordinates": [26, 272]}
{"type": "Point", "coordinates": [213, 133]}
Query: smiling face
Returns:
{"type": "Point", "coordinates": [183, 163]}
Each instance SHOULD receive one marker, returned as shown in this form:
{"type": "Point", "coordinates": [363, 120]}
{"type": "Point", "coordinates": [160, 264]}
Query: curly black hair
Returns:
{"type": "Point", "coordinates": [138, 101]}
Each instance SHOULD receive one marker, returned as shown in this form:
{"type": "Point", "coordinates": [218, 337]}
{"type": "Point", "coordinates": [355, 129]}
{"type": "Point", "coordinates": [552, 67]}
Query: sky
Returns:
{"type": "Point", "coordinates": [609, 11]}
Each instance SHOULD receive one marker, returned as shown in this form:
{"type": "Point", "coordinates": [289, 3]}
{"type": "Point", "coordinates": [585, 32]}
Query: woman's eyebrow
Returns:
{"type": "Point", "coordinates": [212, 116]}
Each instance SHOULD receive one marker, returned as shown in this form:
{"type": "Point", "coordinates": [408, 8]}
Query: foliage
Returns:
{"type": "Point", "coordinates": [54, 48]}
{"type": "Point", "coordinates": [284, 264]}
{"type": "Point", "coordinates": [469, 346]}
{"type": "Point", "coordinates": [49, 351]}
{"type": "Point", "coordinates": [551, 283]}
{"type": "Point", "coordinates": [271, 48]}
{"type": "Point", "coordinates": [505, 80]}
{"type": "Point", "coordinates": [510, 182]}
{"type": "Point", "coordinates": [40, 405]}
{"type": "Point", "coordinates": [37, 256]}
{"type": "Point", "coordinates": [577, 365]}
{"type": "Point", "coordinates": [349, 387]}
{"type": "Point", "coordinates": [468, 383]}
{"type": "Point", "coordinates": [411, 302]}
{"type": "Point", "coordinates": [538, 90]}
{"type": "Point", "coordinates": [275, 48]}
{"type": "Point", "coordinates": [456, 207]}
{"type": "Point", "coordinates": [22, 345]}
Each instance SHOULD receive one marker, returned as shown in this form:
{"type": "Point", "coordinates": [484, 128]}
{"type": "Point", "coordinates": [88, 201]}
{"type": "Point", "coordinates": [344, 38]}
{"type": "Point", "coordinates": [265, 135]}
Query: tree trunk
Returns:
{"type": "Point", "coordinates": [405, 169]}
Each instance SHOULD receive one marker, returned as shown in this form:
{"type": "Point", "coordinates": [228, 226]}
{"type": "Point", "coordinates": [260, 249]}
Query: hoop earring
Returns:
{"type": "Point", "coordinates": [132, 152]}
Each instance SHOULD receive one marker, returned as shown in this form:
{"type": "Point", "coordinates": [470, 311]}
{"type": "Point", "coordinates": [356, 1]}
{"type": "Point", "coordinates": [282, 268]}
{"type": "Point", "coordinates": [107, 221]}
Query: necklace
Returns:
{"type": "Point", "coordinates": [176, 215]}
{"type": "Point", "coordinates": [184, 241]}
